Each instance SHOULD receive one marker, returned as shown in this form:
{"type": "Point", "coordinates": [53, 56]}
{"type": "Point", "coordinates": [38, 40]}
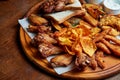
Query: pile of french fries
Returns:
{"type": "Point", "coordinates": [87, 41]}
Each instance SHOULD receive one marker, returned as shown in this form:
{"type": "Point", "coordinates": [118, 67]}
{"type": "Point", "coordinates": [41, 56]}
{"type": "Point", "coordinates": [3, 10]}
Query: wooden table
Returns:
{"type": "Point", "coordinates": [14, 65]}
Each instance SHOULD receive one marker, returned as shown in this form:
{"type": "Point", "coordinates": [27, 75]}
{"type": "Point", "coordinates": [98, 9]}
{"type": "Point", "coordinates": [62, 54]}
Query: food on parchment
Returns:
{"type": "Point", "coordinates": [37, 20]}
{"type": "Point", "coordinates": [61, 60]}
{"type": "Point", "coordinates": [81, 34]}
{"type": "Point", "coordinates": [47, 49]}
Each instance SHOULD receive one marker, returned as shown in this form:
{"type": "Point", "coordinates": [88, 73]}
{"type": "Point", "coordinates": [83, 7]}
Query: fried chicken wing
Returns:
{"type": "Point", "coordinates": [48, 49]}
{"type": "Point", "coordinates": [44, 38]}
{"type": "Point", "coordinates": [37, 20]}
{"type": "Point", "coordinates": [39, 29]}
{"type": "Point", "coordinates": [80, 61]}
{"type": "Point", "coordinates": [61, 60]}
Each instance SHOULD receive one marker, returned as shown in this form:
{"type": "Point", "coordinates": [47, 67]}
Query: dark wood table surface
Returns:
{"type": "Point", "coordinates": [14, 65]}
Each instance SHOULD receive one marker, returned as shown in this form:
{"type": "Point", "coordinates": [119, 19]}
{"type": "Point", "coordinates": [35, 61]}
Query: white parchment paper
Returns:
{"type": "Point", "coordinates": [59, 70]}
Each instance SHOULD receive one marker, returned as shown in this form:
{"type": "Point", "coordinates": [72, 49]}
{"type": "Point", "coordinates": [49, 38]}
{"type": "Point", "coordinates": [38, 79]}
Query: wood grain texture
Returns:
{"type": "Point", "coordinates": [14, 65]}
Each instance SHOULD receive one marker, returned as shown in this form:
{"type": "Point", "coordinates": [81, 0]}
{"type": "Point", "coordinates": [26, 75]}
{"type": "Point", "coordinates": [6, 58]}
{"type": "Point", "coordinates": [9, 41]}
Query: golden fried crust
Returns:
{"type": "Point", "coordinates": [61, 60]}
{"type": "Point", "coordinates": [112, 38]}
{"type": "Point", "coordinates": [114, 48]}
{"type": "Point", "coordinates": [112, 21]}
{"type": "Point", "coordinates": [103, 47]}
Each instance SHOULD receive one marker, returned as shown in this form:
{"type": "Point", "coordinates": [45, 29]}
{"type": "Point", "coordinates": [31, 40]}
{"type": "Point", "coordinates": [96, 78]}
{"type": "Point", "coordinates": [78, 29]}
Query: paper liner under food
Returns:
{"type": "Point", "coordinates": [59, 70]}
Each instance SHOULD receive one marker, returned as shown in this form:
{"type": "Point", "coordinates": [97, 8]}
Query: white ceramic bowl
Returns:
{"type": "Point", "coordinates": [95, 1]}
{"type": "Point", "coordinates": [112, 6]}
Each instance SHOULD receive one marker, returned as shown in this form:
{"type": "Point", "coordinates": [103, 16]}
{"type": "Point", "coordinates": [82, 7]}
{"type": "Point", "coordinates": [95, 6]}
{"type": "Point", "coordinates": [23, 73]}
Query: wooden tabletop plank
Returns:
{"type": "Point", "coordinates": [14, 65]}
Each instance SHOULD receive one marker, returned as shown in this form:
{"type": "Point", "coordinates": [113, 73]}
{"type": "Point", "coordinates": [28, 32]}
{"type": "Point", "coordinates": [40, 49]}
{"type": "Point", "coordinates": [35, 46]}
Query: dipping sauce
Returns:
{"type": "Point", "coordinates": [112, 6]}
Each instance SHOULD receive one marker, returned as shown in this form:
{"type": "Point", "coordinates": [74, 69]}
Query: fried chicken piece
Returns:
{"type": "Point", "coordinates": [37, 20]}
{"type": "Point", "coordinates": [61, 60]}
{"type": "Point", "coordinates": [114, 48]}
{"type": "Point", "coordinates": [55, 5]}
{"type": "Point", "coordinates": [39, 29]}
{"type": "Point", "coordinates": [80, 61]}
{"type": "Point", "coordinates": [43, 38]}
{"type": "Point", "coordinates": [112, 38]}
{"type": "Point", "coordinates": [83, 60]}
{"type": "Point", "coordinates": [32, 28]}
{"type": "Point", "coordinates": [103, 47]}
{"type": "Point", "coordinates": [100, 61]}
{"type": "Point", "coordinates": [47, 49]}
{"type": "Point", "coordinates": [112, 21]}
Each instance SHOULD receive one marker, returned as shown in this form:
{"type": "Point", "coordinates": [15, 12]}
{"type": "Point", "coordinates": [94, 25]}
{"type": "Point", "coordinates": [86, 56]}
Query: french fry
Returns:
{"type": "Point", "coordinates": [114, 48]}
{"type": "Point", "coordinates": [103, 47]}
{"type": "Point", "coordinates": [100, 36]}
{"type": "Point", "coordinates": [94, 10]}
{"type": "Point", "coordinates": [87, 25]}
{"type": "Point", "coordinates": [56, 25]}
{"type": "Point", "coordinates": [90, 20]}
{"type": "Point", "coordinates": [113, 31]}
{"type": "Point", "coordinates": [99, 59]}
{"type": "Point", "coordinates": [115, 40]}
{"type": "Point", "coordinates": [93, 63]}
{"type": "Point", "coordinates": [67, 24]}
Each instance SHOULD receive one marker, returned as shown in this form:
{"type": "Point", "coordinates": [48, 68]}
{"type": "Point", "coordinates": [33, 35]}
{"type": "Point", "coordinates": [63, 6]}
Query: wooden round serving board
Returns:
{"type": "Point", "coordinates": [112, 63]}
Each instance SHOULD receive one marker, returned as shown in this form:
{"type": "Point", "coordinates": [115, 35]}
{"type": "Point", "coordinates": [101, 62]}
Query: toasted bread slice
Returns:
{"type": "Point", "coordinates": [76, 5]}
{"type": "Point", "coordinates": [60, 17]}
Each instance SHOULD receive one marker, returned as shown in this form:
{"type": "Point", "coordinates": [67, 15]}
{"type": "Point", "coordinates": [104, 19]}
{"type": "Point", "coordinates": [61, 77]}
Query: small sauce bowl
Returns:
{"type": "Point", "coordinates": [112, 6]}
